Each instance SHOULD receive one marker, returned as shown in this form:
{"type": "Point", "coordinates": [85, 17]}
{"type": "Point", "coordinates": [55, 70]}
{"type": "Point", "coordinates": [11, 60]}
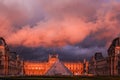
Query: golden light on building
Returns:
{"type": "Point", "coordinates": [40, 68]}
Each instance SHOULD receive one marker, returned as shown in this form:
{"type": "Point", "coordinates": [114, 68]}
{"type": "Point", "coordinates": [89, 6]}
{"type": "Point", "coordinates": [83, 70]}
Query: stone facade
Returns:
{"type": "Point", "coordinates": [110, 65]}
{"type": "Point", "coordinates": [114, 57]}
{"type": "Point", "coordinates": [10, 63]}
{"type": "Point", "coordinates": [98, 65]}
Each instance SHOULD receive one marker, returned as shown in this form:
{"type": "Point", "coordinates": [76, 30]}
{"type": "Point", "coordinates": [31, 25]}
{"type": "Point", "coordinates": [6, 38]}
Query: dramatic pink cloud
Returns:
{"type": "Point", "coordinates": [52, 33]}
{"type": "Point", "coordinates": [56, 23]}
{"type": "Point", "coordinates": [5, 26]}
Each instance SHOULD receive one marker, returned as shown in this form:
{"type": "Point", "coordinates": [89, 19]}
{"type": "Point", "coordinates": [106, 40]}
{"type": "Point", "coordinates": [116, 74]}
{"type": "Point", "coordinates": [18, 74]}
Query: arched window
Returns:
{"type": "Point", "coordinates": [2, 42]}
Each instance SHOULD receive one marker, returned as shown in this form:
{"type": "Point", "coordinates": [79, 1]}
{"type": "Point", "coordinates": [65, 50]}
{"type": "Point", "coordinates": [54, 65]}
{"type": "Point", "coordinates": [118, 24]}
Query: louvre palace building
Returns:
{"type": "Point", "coordinates": [55, 67]}
{"type": "Point", "coordinates": [105, 66]}
{"type": "Point", "coordinates": [12, 64]}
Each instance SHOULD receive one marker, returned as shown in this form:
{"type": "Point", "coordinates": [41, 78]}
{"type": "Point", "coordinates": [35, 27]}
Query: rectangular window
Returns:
{"type": "Point", "coordinates": [1, 54]}
{"type": "Point", "coordinates": [119, 64]}
{"type": "Point", "coordinates": [118, 67]}
{"type": "Point", "coordinates": [0, 62]}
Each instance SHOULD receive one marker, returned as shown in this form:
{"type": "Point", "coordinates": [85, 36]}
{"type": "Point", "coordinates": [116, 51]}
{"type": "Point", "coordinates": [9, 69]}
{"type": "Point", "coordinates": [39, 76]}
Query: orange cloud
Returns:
{"type": "Point", "coordinates": [61, 25]}
{"type": "Point", "coordinates": [51, 33]}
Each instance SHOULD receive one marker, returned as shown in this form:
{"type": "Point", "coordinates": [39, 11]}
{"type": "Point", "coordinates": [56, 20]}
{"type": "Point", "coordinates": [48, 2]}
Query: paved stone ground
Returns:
{"type": "Point", "coordinates": [58, 78]}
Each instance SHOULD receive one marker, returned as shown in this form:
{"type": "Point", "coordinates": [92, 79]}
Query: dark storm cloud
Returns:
{"type": "Point", "coordinates": [83, 53]}
{"type": "Point", "coordinates": [39, 54]}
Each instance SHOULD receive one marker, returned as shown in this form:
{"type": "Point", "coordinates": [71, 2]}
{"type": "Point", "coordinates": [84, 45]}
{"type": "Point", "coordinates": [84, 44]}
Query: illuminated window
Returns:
{"type": "Point", "coordinates": [118, 51]}
{"type": "Point", "coordinates": [36, 68]}
{"type": "Point", "coordinates": [32, 68]}
{"type": "Point", "coordinates": [39, 68]}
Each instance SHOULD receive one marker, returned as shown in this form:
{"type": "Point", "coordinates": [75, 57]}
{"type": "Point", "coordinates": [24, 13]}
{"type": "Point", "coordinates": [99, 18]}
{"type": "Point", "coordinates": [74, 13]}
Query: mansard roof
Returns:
{"type": "Point", "coordinates": [115, 42]}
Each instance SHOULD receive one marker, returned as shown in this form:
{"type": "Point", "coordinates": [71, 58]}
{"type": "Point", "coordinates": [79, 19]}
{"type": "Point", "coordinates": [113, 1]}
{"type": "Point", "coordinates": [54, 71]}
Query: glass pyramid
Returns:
{"type": "Point", "coordinates": [58, 69]}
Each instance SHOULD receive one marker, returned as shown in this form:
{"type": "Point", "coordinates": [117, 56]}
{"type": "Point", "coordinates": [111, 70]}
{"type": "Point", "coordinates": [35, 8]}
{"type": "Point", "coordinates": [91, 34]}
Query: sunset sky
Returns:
{"type": "Point", "coordinates": [75, 29]}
